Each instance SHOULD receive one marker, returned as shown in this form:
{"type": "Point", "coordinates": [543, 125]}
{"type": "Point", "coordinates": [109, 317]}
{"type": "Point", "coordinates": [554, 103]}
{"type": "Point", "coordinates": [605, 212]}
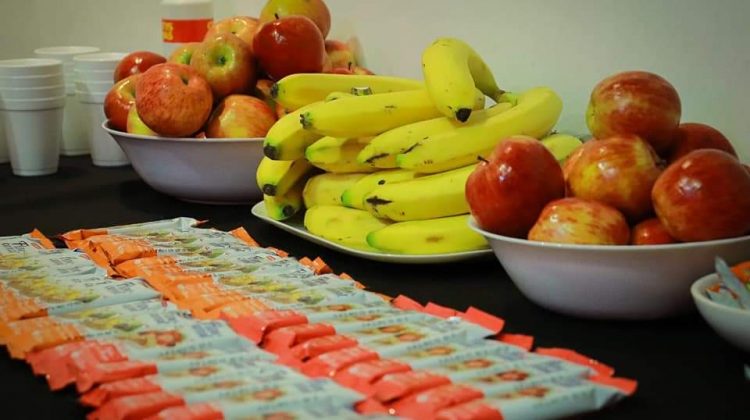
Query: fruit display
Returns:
{"type": "Point", "coordinates": [644, 178]}
{"type": "Point", "coordinates": [388, 159]}
{"type": "Point", "coordinates": [239, 59]}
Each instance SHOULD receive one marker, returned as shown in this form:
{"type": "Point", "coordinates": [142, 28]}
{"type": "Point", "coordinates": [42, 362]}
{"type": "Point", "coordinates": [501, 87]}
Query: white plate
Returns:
{"type": "Point", "coordinates": [295, 227]}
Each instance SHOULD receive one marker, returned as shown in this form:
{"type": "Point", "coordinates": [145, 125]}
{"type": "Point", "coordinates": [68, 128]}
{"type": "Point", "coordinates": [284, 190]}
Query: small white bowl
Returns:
{"type": "Point", "coordinates": [30, 67]}
{"type": "Point", "coordinates": [32, 92]}
{"type": "Point", "coordinates": [611, 282]}
{"type": "Point", "coordinates": [31, 81]}
{"type": "Point", "coordinates": [210, 171]}
{"type": "Point", "coordinates": [98, 61]}
{"type": "Point", "coordinates": [731, 324]}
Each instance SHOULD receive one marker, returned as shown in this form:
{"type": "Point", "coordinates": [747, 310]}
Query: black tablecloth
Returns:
{"type": "Point", "coordinates": [684, 370]}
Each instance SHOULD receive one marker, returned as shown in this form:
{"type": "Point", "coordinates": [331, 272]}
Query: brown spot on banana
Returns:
{"type": "Point", "coordinates": [373, 158]}
{"type": "Point", "coordinates": [305, 120]}
{"type": "Point", "coordinates": [376, 201]}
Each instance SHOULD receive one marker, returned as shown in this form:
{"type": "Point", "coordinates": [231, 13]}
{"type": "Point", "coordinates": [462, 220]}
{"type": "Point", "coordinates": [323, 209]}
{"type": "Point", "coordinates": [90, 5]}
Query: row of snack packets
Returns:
{"type": "Point", "coordinates": [396, 356]}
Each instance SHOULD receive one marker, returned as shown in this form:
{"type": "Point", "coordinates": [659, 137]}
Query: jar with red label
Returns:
{"type": "Point", "coordinates": [184, 21]}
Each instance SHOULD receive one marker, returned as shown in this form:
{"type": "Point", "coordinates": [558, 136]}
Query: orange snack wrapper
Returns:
{"type": "Point", "coordinates": [427, 403]}
{"type": "Point", "coordinates": [317, 347]}
{"type": "Point", "coordinates": [399, 385]}
{"type": "Point", "coordinates": [361, 376]}
{"type": "Point", "coordinates": [327, 364]}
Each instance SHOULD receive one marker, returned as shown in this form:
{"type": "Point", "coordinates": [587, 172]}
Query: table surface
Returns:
{"type": "Point", "coordinates": [684, 370]}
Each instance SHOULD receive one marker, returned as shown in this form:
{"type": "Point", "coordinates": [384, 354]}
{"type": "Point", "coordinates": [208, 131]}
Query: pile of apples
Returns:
{"type": "Point", "coordinates": [644, 178]}
{"type": "Point", "coordinates": [221, 87]}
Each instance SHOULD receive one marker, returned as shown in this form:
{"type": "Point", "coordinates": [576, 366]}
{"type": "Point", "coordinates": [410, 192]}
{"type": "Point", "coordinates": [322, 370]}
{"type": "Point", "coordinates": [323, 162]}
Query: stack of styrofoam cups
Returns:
{"type": "Point", "coordinates": [74, 141]}
{"type": "Point", "coordinates": [32, 97]}
{"type": "Point", "coordinates": [94, 75]}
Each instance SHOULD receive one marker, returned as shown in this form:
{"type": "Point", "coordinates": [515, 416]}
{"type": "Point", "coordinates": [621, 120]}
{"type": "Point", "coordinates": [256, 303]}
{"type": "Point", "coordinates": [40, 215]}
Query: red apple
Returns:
{"type": "Point", "coordinates": [651, 232]}
{"type": "Point", "coordinates": [576, 221]}
{"type": "Point", "coordinates": [694, 136]}
{"type": "Point", "coordinates": [507, 192]}
{"type": "Point", "coordinates": [339, 54]}
{"type": "Point", "coordinates": [183, 53]}
{"type": "Point", "coordinates": [244, 27]}
{"type": "Point", "coordinates": [118, 102]}
{"type": "Point", "coordinates": [704, 195]}
{"type": "Point", "coordinates": [316, 10]}
{"type": "Point", "coordinates": [226, 63]}
{"type": "Point", "coordinates": [173, 99]}
{"type": "Point", "coordinates": [240, 116]}
{"type": "Point", "coordinates": [289, 45]}
{"type": "Point", "coordinates": [135, 124]}
{"type": "Point", "coordinates": [136, 62]}
{"type": "Point", "coordinates": [635, 102]}
{"type": "Point", "coordinates": [618, 171]}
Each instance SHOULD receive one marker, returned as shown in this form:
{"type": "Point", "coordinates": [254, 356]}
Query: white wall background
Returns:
{"type": "Point", "coordinates": [702, 47]}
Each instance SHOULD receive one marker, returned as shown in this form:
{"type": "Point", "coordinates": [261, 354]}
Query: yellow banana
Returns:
{"type": "Point", "coordinates": [282, 207]}
{"type": "Point", "coordinates": [370, 115]}
{"type": "Point", "coordinates": [336, 95]}
{"type": "Point", "coordinates": [297, 90]}
{"type": "Point", "coordinates": [427, 197]}
{"type": "Point", "coordinates": [354, 196]}
{"type": "Point", "coordinates": [561, 145]}
{"type": "Point", "coordinates": [337, 155]}
{"type": "Point", "coordinates": [431, 236]}
{"type": "Point", "coordinates": [452, 71]}
{"type": "Point", "coordinates": [287, 140]}
{"type": "Point", "coordinates": [535, 115]}
{"type": "Point", "coordinates": [343, 225]}
{"type": "Point", "coordinates": [278, 176]}
{"type": "Point", "coordinates": [382, 150]}
{"type": "Point", "coordinates": [326, 189]}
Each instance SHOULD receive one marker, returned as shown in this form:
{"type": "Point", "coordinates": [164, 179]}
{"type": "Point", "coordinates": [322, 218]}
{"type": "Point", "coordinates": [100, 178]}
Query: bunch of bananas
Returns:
{"type": "Point", "coordinates": [380, 163]}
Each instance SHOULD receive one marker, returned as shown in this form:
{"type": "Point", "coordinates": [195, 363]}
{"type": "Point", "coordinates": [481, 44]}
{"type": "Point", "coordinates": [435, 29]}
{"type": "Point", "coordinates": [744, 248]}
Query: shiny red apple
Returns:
{"type": "Point", "coordinates": [227, 64]}
{"type": "Point", "coordinates": [576, 221]}
{"type": "Point", "coordinates": [244, 27]}
{"type": "Point", "coordinates": [694, 136]}
{"type": "Point", "coordinates": [704, 195]}
{"type": "Point", "coordinates": [651, 232]}
{"type": "Point", "coordinates": [240, 116]}
{"type": "Point", "coordinates": [173, 99]}
{"type": "Point", "coordinates": [118, 102]}
{"type": "Point", "coordinates": [635, 102]}
{"type": "Point", "coordinates": [136, 62]}
{"type": "Point", "coordinates": [507, 191]}
{"type": "Point", "coordinates": [289, 45]}
{"type": "Point", "coordinates": [618, 171]}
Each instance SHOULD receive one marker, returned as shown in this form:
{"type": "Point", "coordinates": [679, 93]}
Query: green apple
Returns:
{"type": "Point", "coordinates": [183, 53]}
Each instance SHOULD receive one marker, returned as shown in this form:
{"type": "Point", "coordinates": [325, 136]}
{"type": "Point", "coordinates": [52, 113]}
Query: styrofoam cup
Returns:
{"type": "Point", "coordinates": [91, 97]}
{"type": "Point", "coordinates": [70, 89]}
{"type": "Point", "coordinates": [94, 75]}
{"type": "Point", "coordinates": [32, 93]}
{"type": "Point", "coordinates": [64, 53]}
{"type": "Point", "coordinates": [32, 104]}
{"type": "Point", "coordinates": [104, 149]}
{"type": "Point", "coordinates": [31, 81]}
{"type": "Point", "coordinates": [33, 140]}
{"type": "Point", "coordinates": [74, 136]}
{"type": "Point", "coordinates": [87, 86]}
{"type": "Point", "coordinates": [30, 67]}
{"type": "Point", "coordinates": [98, 61]}
{"type": "Point", "coordinates": [3, 144]}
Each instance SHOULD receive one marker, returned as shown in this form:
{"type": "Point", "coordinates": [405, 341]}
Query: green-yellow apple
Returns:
{"type": "Point", "coordinates": [635, 102]}
{"type": "Point", "coordinates": [694, 136]}
{"type": "Point", "coordinates": [289, 45]}
{"type": "Point", "coordinates": [507, 191]}
{"type": "Point", "coordinates": [183, 53]}
{"type": "Point", "coordinates": [618, 171]}
{"type": "Point", "coordinates": [173, 99]}
{"type": "Point", "coordinates": [316, 10]}
{"type": "Point", "coordinates": [244, 27]}
{"type": "Point", "coordinates": [704, 195]}
{"type": "Point", "coordinates": [227, 64]}
{"type": "Point", "coordinates": [135, 124]}
{"type": "Point", "coordinates": [576, 221]}
{"type": "Point", "coordinates": [240, 116]}
{"type": "Point", "coordinates": [118, 102]}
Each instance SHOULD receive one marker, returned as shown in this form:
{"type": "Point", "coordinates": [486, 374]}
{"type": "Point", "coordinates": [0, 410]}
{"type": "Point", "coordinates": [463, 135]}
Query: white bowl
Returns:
{"type": "Point", "coordinates": [611, 282]}
{"type": "Point", "coordinates": [731, 324]}
{"type": "Point", "coordinates": [30, 67]}
{"type": "Point", "coordinates": [98, 61]}
{"type": "Point", "coordinates": [91, 86]}
{"type": "Point", "coordinates": [212, 171]}
{"type": "Point", "coordinates": [31, 81]}
{"type": "Point", "coordinates": [32, 92]}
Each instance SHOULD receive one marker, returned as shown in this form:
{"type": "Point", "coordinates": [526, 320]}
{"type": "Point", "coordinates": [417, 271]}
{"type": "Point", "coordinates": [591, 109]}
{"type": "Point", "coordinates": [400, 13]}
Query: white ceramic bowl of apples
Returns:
{"type": "Point", "coordinates": [636, 256]}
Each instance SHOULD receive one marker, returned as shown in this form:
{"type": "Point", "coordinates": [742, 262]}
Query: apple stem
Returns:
{"type": "Point", "coordinates": [276, 15]}
{"type": "Point", "coordinates": [480, 158]}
